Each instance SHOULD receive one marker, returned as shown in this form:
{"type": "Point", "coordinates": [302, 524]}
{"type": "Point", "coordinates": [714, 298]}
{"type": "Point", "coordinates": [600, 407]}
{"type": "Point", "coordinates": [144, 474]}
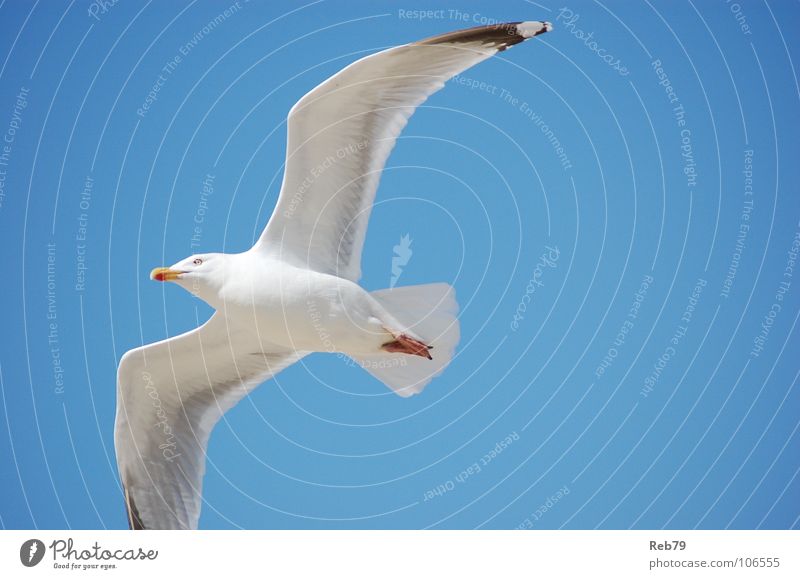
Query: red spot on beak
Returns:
{"type": "Point", "coordinates": [164, 274]}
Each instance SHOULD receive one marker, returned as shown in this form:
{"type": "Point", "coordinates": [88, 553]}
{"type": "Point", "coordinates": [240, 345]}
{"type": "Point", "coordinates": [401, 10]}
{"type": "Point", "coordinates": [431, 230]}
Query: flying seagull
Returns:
{"type": "Point", "coordinates": [295, 291]}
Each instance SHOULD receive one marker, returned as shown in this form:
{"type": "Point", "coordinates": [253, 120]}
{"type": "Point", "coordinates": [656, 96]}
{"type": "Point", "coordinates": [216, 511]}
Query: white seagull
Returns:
{"type": "Point", "coordinates": [295, 291]}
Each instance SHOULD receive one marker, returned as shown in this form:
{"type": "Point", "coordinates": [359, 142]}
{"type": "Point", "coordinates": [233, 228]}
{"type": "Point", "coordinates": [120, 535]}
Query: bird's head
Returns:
{"type": "Point", "coordinates": [200, 274]}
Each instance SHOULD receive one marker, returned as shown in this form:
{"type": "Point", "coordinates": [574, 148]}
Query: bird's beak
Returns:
{"type": "Point", "coordinates": [165, 274]}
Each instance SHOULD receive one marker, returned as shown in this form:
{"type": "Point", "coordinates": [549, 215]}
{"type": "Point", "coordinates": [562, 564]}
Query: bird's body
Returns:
{"type": "Point", "coordinates": [295, 291]}
{"type": "Point", "coordinates": [298, 308]}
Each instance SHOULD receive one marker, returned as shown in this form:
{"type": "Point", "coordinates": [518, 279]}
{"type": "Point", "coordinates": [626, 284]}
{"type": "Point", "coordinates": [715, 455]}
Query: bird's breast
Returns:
{"type": "Point", "coordinates": [315, 313]}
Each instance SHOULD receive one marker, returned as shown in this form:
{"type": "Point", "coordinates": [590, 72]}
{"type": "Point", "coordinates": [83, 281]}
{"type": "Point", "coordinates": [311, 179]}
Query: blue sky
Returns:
{"type": "Point", "coordinates": [615, 203]}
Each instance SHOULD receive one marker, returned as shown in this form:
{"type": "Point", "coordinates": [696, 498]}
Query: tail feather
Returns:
{"type": "Point", "coordinates": [428, 312]}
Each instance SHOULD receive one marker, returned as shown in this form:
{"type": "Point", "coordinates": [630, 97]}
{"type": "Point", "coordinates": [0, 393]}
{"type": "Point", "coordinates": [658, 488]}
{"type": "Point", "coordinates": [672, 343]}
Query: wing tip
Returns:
{"type": "Point", "coordinates": [134, 520]}
{"type": "Point", "coordinates": [500, 36]}
{"type": "Point", "coordinates": [533, 28]}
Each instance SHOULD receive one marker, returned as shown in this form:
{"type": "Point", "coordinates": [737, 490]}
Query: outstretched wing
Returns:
{"type": "Point", "coordinates": [170, 394]}
{"type": "Point", "coordinates": [340, 134]}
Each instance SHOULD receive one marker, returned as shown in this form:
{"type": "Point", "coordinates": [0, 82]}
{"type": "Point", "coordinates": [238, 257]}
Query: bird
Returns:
{"type": "Point", "coordinates": [296, 290]}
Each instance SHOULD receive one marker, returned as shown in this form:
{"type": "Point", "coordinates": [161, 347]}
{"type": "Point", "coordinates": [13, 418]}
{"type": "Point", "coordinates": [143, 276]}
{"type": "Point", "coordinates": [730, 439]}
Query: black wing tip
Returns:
{"type": "Point", "coordinates": [500, 35]}
{"type": "Point", "coordinates": [134, 520]}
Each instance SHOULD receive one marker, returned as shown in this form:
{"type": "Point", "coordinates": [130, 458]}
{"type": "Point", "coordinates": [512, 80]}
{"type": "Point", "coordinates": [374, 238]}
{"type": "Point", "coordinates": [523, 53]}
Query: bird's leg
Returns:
{"type": "Point", "coordinates": [403, 344]}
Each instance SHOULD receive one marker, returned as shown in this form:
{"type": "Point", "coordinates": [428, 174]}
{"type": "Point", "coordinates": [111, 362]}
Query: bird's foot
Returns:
{"type": "Point", "coordinates": [403, 344]}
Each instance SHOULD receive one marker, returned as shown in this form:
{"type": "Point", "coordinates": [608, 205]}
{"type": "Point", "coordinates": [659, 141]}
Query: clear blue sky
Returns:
{"type": "Point", "coordinates": [615, 203]}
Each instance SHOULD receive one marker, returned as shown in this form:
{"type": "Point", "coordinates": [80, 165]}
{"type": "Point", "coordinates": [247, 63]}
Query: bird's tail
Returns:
{"type": "Point", "coordinates": [429, 312]}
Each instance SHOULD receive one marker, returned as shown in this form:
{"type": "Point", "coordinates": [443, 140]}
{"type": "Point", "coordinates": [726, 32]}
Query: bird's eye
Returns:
{"type": "Point", "coordinates": [197, 261]}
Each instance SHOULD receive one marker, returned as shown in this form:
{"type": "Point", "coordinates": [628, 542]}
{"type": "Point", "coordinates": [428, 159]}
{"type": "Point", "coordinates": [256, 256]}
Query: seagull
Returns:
{"type": "Point", "coordinates": [295, 291]}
